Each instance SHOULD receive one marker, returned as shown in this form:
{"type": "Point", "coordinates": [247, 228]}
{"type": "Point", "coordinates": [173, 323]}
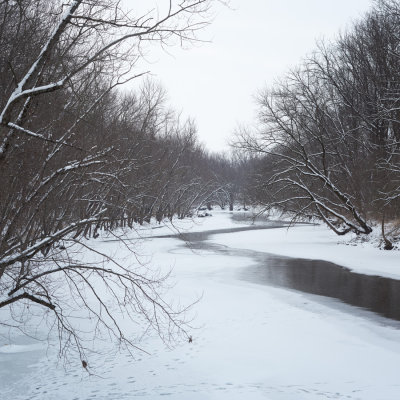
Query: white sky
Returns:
{"type": "Point", "coordinates": [251, 45]}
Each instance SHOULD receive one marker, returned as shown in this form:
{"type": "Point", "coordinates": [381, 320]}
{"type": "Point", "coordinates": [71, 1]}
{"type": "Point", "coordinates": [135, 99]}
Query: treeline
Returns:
{"type": "Point", "coordinates": [329, 137]}
{"type": "Point", "coordinates": [78, 154]}
{"type": "Point", "coordinates": [84, 154]}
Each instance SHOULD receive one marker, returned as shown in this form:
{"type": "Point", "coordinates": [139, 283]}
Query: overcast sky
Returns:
{"type": "Point", "coordinates": [252, 44]}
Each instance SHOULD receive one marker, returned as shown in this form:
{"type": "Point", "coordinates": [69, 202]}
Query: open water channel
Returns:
{"type": "Point", "coordinates": [377, 294]}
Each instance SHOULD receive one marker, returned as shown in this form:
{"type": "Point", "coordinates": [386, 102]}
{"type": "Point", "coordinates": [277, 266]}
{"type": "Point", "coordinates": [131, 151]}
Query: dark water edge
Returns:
{"type": "Point", "coordinates": [374, 293]}
{"type": "Point", "coordinates": [377, 294]}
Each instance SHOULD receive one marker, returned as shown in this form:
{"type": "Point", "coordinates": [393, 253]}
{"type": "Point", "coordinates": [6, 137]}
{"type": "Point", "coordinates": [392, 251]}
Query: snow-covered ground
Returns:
{"type": "Point", "coordinates": [250, 341]}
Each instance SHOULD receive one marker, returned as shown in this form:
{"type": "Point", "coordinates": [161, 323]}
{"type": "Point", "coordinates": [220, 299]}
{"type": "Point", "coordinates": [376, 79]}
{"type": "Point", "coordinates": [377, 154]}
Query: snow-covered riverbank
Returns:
{"type": "Point", "coordinates": [249, 342]}
{"type": "Point", "coordinates": [317, 242]}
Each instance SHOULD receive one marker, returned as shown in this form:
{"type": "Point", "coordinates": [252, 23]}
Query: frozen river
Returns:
{"type": "Point", "coordinates": [374, 293]}
{"type": "Point", "coordinates": [266, 327]}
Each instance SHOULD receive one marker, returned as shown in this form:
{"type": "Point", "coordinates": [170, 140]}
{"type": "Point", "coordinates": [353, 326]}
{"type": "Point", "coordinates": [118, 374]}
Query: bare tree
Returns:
{"type": "Point", "coordinates": [329, 130]}
{"type": "Point", "coordinates": [68, 163]}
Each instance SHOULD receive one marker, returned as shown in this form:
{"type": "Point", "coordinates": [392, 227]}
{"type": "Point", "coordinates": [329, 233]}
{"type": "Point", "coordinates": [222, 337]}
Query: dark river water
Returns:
{"type": "Point", "coordinates": [373, 293]}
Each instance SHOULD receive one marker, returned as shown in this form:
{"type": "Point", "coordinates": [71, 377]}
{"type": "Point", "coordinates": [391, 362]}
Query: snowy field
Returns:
{"type": "Point", "coordinates": [250, 341]}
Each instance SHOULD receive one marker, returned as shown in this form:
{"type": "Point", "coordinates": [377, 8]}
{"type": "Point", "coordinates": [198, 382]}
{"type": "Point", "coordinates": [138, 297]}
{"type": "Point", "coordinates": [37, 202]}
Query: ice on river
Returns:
{"type": "Point", "coordinates": [250, 342]}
